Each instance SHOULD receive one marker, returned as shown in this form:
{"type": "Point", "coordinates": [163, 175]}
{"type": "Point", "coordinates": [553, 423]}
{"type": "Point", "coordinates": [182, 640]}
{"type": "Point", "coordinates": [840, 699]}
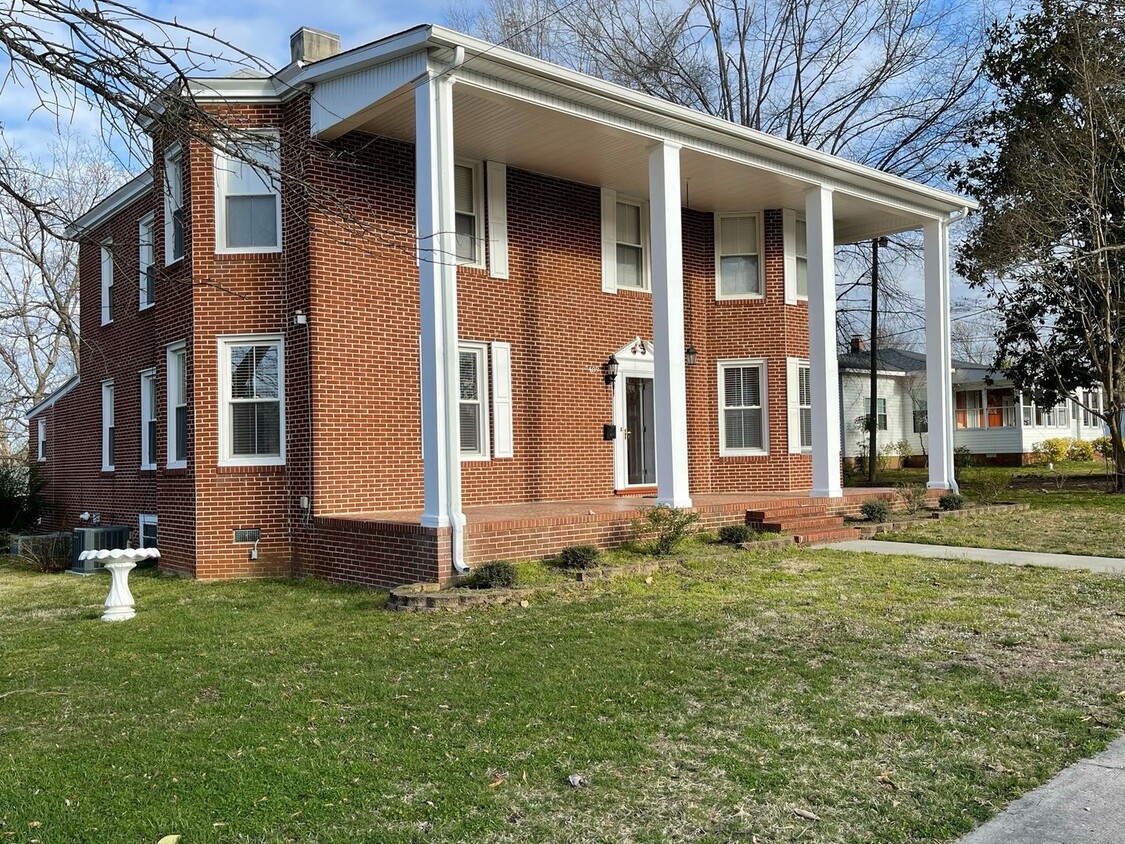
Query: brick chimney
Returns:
{"type": "Point", "coordinates": [311, 45]}
{"type": "Point", "coordinates": [858, 344]}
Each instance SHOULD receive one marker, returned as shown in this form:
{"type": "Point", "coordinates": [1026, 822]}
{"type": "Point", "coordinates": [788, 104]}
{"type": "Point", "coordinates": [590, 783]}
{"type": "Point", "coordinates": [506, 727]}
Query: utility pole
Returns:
{"type": "Point", "coordinates": [873, 409]}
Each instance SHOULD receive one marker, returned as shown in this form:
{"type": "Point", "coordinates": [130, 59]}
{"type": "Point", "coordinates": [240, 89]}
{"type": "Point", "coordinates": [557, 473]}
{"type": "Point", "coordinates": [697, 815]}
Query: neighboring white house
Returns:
{"type": "Point", "coordinates": [989, 419]}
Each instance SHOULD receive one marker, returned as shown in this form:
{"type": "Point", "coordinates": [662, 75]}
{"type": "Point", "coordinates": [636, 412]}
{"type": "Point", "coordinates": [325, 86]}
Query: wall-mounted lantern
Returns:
{"type": "Point", "coordinates": [609, 370]}
{"type": "Point", "coordinates": [691, 355]}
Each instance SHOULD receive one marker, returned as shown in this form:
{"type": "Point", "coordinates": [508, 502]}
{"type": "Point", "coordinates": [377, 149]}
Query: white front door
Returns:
{"type": "Point", "coordinates": [635, 447]}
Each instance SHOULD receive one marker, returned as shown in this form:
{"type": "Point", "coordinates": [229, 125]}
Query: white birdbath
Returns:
{"type": "Point", "coordinates": [119, 606]}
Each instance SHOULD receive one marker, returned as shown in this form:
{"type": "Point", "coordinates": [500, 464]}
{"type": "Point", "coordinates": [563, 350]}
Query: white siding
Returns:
{"type": "Point", "coordinates": [854, 388]}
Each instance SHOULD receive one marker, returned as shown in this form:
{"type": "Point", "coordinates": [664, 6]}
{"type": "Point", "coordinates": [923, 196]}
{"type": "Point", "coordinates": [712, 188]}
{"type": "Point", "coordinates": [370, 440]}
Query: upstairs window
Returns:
{"type": "Point", "coordinates": [738, 261]}
{"type": "Point", "coordinates": [177, 406]}
{"type": "Point", "coordinates": [108, 429]}
{"type": "Point", "coordinates": [248, 198]}
{"type": "Point", "coordinates": [252, 409]}
{"type": "Point", "coordinates": [146, 261]}
{"type": "Point", "coordinates": [468, 214]}
{"type": "Point", "coordinates": [107, 283]}
{"type": "Point", "coordinates": [148, 419]}
{"type": "Point", "coordinates": [173, 205]}
{"type": "Point", "coordinates": [801, 256]}
{"type": "Point", "coordinates": [42, 437]}
{"type": "Point", "coordinates": [631, 246]}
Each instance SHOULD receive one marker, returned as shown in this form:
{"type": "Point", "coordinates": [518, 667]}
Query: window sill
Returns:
{"type": "Point", "coordinates": [475, 458]}
{"type": "Point", "coordinates": [250, 469]}
{"type": "Point", "coordinates": [247, 253]}
{"type": "Point", "coordinates": [740, 297]}
{"type": "Point", "coordinates": [148, 470]}
{"type": "Point", "coordinates": [747, 453]}
{"type": "Point", "coordinates": [173, 262]}
{"type": "Point", "coordinates": [147, 307]}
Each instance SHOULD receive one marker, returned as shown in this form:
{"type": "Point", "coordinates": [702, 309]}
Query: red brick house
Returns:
{"type": "Point", "coordinates": [512, 299]}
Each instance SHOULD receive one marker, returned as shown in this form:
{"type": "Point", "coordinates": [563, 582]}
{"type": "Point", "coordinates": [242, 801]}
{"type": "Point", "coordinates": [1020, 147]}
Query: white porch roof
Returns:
{"type": "Point", "coordinates": [540, 117]}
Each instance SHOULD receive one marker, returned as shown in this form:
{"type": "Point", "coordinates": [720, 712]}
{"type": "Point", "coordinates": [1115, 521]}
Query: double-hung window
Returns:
{"type": "Point", "coordinates": [146, 530]}
{"type": "Point", "coordinates": [108, 430]}
{"type": "Point", "coordinates": [473, 406]}
{"type": "Point", "coordinates": [146, 261]}
{"type": "Point", "coordinates": [248, 196]}
{"type": "Point", "coordinates": [42, 438]}
{"type": "Point", "coordinates": [107, 283]}
{"type": "Point", "coordinates": [631, 245]}
{"type": "Point", "coordinates": [468, 214]}
{"type": "Point", "coordinates": [173, 204]}
{"type": "Point", "coordinates": [804, 404]}
{"type": "Point", "coordinates": [148, 419]}
{"type": "Point", "coordinates": [881, 412]}
{"type": "Point", "coordinates": [176, 419]}
{"type": "Point", "coordinates": [252, 403]}
{"type": "Point", "coordinates": [738, 259]}
{"type": "Point", "coordinates": [742, 407]}
{"type": "Point", "coordinates": [921, 415]}
{"type": "Point", "coordinates": [801, 258]}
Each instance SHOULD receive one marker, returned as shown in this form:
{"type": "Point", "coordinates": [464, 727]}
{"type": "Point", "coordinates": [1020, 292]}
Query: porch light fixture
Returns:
{"type": "Point", "coordinates": [609, 370]}
{"type": "Point", "coordinates": [691, 355]}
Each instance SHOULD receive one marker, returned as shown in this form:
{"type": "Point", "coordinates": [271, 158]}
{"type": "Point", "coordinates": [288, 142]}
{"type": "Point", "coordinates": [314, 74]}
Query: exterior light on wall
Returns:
{"type": "Point", "coordinates": [609, 369]}
{"type": "Point", "coordinates": [300, 318]}
{"type": "Point", "coordinates": [691, 355]}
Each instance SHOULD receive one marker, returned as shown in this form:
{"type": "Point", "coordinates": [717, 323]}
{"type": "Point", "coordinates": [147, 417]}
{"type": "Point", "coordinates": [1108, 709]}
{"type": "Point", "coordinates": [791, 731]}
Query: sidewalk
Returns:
{"type": "Point", "coordinates": [1106, 565]}
{"type": "Point", "coordinates": [1085, 804]}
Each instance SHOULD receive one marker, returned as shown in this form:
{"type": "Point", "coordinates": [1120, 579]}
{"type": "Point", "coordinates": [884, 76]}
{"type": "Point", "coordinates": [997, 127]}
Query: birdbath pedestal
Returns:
{"type": "Point", "coordinates": [120, 606]}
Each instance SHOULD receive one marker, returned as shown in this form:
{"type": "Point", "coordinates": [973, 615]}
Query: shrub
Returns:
{"type": "Point", "coordinates": [875, 510]}
{"type": "Point", "coordinates": [1051, 450]}
{"type": "Point", "coordinates": [735, 534]}
{"type": "Point", "coordinates": [21, 497]}
{"type": "Point", "coordinates": [499, 574]}
{"type": "Point", "coordinates": [904, 449]}
{"type": "Point", "coordinates": [913, 497]}
{"type": "Point", "coordinates": [1103, 447]}
{"type": "Point", "coordinates": [661, 529]}
{"type": "Point", "coordinates": [963, 457]}
{"type": "Point", "coordinates": [990, 487]}
{"type": "Point", "coordinates": [578, 557]}
{"type": "Point", "coordinates": [1080, 451]}
{"type": "Point", "coordinates": [951, 501]}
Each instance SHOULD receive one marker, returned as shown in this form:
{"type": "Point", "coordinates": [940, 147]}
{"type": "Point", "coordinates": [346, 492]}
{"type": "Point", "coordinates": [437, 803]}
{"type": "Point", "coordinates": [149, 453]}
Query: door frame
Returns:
{"type": "Point", "coordinates": [633, 361]}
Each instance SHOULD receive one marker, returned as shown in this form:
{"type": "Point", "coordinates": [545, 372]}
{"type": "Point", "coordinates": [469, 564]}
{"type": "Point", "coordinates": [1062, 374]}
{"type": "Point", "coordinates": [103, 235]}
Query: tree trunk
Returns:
{"type": "Point", "coordinates": [1113, 420]}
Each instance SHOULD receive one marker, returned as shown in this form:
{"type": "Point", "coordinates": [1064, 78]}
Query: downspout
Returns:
{"type": "Point", "coordinates": [452, 406]}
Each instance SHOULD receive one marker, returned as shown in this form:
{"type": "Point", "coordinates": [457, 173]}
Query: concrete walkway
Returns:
{"type": "Point", "coordinates": [1108, 565]}
{"type": "Point", "coordinates": [1085, 804]}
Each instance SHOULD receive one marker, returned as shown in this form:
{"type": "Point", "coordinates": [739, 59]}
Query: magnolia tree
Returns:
{"type": "Point", "coordinates": [1049, 242]}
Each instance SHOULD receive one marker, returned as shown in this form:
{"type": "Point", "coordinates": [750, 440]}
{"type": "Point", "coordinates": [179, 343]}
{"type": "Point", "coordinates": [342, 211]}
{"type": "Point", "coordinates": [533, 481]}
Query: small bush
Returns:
{"type": "Point", "coordinates": [963, 457]}
{"type": "Point", "coordinates": [578, 557]}
{"type": "Point", "coordinates": [875, 510]}
{"type": "Point", "coordinates": [991, 487]}
{"type": "Point", "coordinates": [735, 534]}
{"type": "Point", "coordinates": [21, 497]}
{"type": "Point", "coordinates": [1103, 447]}
{"type": "Point", "coordinates": [951, 501]}
{"type": "Point", "coordinates": [661, 529]}
{"type": "Point", "coordinates": [904, 449]}
{"type": "Point", "coordinates": [1080, 451]}
{"type": "Point", "coordinates": [499, 574]}
{"type": "Point", "coordinates": [913, 497]}
{"type": "Point", "coordinates": [1053, 450]}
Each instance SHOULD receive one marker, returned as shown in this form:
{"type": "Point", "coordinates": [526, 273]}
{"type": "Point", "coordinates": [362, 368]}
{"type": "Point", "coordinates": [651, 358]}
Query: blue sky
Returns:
{"type": "Point", "coordinates": [261, 27]}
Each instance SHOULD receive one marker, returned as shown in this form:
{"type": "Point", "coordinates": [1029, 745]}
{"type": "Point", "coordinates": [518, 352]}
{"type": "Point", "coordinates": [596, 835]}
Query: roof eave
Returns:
{"type": "Point", "coordinates": [125, 195]}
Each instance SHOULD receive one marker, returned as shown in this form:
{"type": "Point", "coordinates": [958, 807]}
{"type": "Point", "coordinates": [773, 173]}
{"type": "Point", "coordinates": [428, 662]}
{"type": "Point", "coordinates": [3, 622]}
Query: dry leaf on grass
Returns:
{"type": "Point", "coordinates": [806, 814]}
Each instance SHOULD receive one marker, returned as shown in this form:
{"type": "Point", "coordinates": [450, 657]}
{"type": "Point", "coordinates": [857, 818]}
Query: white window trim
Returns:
{"type": "Point", "coordinates": [174, 152]}
{"type": "Point", "coordinates": [478, 213]}
{"type": "Point", "coordinates": [149, 221]}
{"type": "Point", "coordinates": [610, 198]}
{"type": "Point", "coordinates": [225, 342]}
{"type": "Point", "coordinates": [171, 379]}
{"type": "Point", "coordinates": [148, 411]}
{"type": "Point", "coordinates": [793, 367]}
{"type": "Point", "coordinates": [142, 520]}
{"type": "Point", "coordinates": [759, 229]}
{"type": "Point", "coordinates": [107, 282]}
{"type": "Point", "coordinates": [41, 445]}
{"type": "Point", "coordinates": [789, 220]}
{"type": "Point", "coordinates": [220, 170]}
{"type": "Point", "coordinates": [723, 365]}
{"type": "Point", "coordinates": [108, 423]}
{"type": "Point", "coordinates": [483, 386]}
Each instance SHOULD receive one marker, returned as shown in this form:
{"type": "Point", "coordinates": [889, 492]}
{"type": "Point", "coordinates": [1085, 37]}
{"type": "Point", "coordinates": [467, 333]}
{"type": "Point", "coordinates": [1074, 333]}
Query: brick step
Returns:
{"type": "Point", "coordinates": [820, 537]}
{"type": "Point", "coordinates": [799, 525]}
{"type": "Point", "coordinates": [776, 514]}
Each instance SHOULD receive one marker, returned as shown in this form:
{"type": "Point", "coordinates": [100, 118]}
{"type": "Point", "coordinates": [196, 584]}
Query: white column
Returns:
{"type": "Point", "coordinates": [670, 394]}
{"type": "Point", "coordinates": [939, 362]}
{"type": "Point", "coordinates": [437, 282]}
{"type": "Point", "coordinates": [822, 344]}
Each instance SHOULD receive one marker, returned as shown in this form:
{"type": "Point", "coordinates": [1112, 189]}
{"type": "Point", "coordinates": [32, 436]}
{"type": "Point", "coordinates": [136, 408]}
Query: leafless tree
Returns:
{"type": "Point", "coordinates": [38, 273]}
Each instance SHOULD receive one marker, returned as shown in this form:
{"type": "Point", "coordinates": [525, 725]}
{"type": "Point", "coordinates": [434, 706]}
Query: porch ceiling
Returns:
{"type": "Point", "coordinates": [492, 126]}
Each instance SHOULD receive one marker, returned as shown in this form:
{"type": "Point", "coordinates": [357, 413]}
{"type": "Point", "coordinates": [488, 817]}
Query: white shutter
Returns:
{"type": "Point", "coordinates": [502, 437]}
{"type": "Point", "coordinates": [789, 238]}
{"type": "Point", "coordinates": [793, 402]}
{"type": "Point", "coordinates": [609, 241]}
{"type": "Point", "coordinates": [496, 175]}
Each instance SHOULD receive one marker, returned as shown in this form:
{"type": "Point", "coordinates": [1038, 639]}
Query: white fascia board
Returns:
{"type": "Point", "coordinates": [120, 198]}
{"type": "Point", "coordinates": [49, 401]}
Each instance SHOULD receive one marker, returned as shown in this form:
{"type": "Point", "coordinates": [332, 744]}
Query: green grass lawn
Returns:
{"type": "Point", "coordinates": [1070, 511]}
{"type": "Point", "coordinates": [900, 700]}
